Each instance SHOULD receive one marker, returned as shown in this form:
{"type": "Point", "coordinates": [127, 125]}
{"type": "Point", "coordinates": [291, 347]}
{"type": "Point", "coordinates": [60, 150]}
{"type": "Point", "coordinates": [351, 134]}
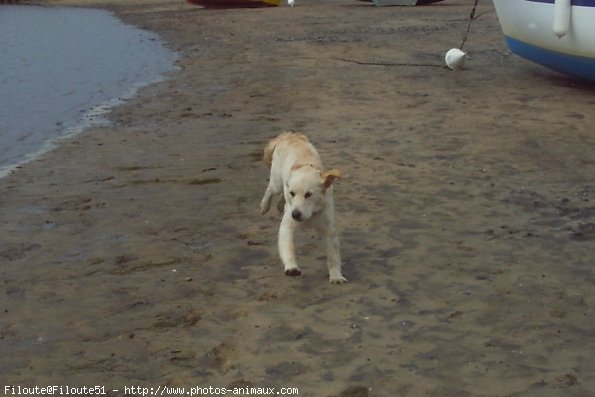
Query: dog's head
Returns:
{"type": "Point", "coordinates": [305, 190]}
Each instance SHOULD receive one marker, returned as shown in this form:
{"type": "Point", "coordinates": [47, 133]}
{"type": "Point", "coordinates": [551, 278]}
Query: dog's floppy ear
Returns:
{"type": "Point", "coordinates": [328, 177]}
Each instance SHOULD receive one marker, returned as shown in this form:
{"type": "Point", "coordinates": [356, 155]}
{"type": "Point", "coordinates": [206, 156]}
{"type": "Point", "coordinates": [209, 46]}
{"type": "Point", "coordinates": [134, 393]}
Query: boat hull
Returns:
{"type": "Point", "coordinates": [528, 27]}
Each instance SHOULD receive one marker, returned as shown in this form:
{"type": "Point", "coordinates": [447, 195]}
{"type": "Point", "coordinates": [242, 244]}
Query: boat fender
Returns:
{"type": "Point", "coordinates": [562, 11]}
{"type": "Point", "coordinates": [455, 58]}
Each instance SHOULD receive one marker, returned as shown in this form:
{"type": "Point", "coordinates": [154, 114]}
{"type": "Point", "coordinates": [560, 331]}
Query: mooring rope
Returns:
{"type": "Point", "coordinates": [471, 17]}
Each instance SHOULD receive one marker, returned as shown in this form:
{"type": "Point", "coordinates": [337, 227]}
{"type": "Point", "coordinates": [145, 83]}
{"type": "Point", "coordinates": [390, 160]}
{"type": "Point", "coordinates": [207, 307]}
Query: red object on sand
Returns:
{"type": "Point", "coordinates": [235, 3]}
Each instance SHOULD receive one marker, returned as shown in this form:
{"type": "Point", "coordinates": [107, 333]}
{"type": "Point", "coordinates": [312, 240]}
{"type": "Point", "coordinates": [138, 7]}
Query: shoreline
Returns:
{"type": "Point", "coordinates": [135, 253]}
{"type": "Point", "coordinates": [95, 117]}
{"type": "Point", "coordinates": [96, 112]}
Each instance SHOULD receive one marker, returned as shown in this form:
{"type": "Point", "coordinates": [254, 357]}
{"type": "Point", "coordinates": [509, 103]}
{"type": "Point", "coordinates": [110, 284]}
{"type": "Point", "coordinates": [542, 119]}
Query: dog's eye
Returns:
{"type": "Point", "coordinates": [308, 195]}
{"type": "Point", "coordinates": [292, 194]}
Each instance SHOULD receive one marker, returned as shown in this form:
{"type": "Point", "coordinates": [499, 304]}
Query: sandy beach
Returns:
{"type": "Point", "coordinates": [135, 254]}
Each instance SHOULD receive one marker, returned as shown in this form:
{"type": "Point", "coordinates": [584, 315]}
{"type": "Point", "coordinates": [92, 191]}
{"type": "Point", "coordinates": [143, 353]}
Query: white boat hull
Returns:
{"type": "Point", "coordinates": [559, 34]}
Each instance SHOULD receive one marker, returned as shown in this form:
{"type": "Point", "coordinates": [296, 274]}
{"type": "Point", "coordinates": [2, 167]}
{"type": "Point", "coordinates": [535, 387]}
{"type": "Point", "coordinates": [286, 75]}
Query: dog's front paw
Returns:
{"type": "Point", "coordinates": [337, 280]}
{"type": "Point", "coordinates": [293, 272]}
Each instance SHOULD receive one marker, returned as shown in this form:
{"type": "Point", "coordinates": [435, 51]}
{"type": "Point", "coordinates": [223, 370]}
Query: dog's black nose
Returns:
{"type": "Point", "coordinates": [297, 215]}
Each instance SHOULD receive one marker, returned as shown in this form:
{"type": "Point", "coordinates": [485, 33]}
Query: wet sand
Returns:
{"type": "Point", "coordinates": [135, 254]}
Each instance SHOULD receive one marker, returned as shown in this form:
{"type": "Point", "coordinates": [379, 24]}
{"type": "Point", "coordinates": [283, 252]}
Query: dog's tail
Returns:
{"type": "Point", "coordinates": [269, 149]}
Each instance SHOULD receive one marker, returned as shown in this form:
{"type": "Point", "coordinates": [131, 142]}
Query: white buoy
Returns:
{"type": "Point", "coordinates": [455, 58]}
{"type": "Point", "coordinates": [291, 2]}
{"type": "Point", "coordinates": [562, 11]}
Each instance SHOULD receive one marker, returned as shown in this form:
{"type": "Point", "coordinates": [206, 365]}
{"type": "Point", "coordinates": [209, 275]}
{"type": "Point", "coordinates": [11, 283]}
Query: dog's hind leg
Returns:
{"type": "Point", "coordinates": [275, 188]}
{"type": "Point", "coordinates": [281, 205]}
{"type": "Point", "coordinates": [265, 204]}
{"type": "Point", "coordinates": [287, 245]}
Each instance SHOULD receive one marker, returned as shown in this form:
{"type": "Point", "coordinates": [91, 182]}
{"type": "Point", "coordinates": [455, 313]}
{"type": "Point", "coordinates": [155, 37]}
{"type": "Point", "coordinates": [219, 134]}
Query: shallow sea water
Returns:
{"type": "Point", "coordinates": [62, 69]}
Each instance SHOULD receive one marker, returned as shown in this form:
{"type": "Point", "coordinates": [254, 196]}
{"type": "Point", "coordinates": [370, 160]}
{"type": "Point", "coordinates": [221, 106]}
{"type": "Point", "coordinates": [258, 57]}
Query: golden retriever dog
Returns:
{"type": "Point", "coordinates": [307, 196]}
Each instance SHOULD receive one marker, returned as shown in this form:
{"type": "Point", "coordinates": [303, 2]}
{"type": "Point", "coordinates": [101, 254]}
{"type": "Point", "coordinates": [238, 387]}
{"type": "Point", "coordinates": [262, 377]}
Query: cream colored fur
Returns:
{"type": "Point", "coordinates": [297, 176]}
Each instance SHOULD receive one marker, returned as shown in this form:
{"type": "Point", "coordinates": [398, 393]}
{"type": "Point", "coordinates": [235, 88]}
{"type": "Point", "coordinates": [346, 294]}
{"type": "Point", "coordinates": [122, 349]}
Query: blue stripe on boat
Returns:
{"type": "Point", "coordinates": [579, 3]}
{"type": "Point", "coordinates": [575, 65]}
